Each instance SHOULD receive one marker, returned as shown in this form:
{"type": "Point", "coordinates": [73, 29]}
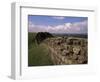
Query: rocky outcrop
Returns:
{"type": "Point", "coordinates": [69, 50]}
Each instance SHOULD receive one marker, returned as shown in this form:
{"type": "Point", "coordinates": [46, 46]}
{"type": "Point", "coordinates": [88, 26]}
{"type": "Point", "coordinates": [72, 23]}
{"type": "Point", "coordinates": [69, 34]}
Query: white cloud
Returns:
{"type": "Point", "coordinates": [31, 25]}
{"type": "Point", "coordinates": [36, 28]}
{"type": "Point", "coordinates": [77, 27]}
{"type": "Point", "coordinates": [59, 17]}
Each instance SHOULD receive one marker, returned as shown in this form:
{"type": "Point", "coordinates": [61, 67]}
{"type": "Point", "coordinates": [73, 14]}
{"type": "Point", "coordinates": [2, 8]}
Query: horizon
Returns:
{"type": "Point", "coordinates": [61, 33]}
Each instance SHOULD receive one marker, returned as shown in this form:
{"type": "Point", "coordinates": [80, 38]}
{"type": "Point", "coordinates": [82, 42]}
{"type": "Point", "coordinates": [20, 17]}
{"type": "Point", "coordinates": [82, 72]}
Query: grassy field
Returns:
{"type": "Point", "coordinates": [38, 55]}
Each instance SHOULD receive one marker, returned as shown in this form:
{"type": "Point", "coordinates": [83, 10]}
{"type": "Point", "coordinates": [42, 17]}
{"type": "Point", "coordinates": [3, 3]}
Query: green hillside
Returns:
{"type": "Point", "coordinates": [38, 54]}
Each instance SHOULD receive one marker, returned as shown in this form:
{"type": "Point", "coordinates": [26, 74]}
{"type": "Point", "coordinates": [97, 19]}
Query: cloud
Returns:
{"type": "Point", "coordinates": [36, 28]}
{"type": "Point", "coordinates": [59, 17]}
{"type": "Point", "coordinates": [77, 27]}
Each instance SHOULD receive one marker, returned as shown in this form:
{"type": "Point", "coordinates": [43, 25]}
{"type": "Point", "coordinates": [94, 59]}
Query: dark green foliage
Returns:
{"type": "Point", "coordinates": [42, 36]}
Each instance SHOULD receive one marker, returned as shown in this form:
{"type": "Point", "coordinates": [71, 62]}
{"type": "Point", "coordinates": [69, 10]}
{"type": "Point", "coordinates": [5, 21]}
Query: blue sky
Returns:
{"type": "Point", "coordinates": [60, 24]}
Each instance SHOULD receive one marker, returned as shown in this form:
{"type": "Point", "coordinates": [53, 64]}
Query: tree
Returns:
{"type": "Point", "coordinates": [42, 36]}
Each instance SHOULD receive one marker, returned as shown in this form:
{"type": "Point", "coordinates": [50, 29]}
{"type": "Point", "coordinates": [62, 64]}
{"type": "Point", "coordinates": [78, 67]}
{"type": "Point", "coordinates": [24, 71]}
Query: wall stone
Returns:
{"type": "Point", "coordinates": [68, 50]}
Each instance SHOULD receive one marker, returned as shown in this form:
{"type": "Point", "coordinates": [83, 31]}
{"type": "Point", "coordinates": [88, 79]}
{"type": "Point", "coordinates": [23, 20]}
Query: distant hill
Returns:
{"type": "Point", "coordinates": [71, 35]}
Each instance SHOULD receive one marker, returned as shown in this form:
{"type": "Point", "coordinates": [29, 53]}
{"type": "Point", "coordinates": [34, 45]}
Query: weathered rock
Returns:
{"type": "Point", "coordinates": [76, 49]}
{"type": "Point", "coordinates": [74, 56]}
{"type": "Point", "coordinates": [68, 50]}
{"type": "Point", "coordinates": [65, 52]}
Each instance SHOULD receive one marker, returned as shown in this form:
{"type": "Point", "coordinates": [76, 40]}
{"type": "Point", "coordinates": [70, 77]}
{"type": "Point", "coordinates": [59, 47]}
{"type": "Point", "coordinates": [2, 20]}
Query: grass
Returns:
{"type": "Point", "coordinates": [38, 55]}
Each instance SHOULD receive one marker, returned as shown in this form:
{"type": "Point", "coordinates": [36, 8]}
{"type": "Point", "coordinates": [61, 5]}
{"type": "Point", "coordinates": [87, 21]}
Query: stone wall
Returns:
{"type": "Point", "coordinates": [67, 50]}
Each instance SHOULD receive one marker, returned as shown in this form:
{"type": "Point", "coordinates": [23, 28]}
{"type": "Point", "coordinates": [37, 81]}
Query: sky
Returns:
{"type": "Point", "coordinates": [57, 24]}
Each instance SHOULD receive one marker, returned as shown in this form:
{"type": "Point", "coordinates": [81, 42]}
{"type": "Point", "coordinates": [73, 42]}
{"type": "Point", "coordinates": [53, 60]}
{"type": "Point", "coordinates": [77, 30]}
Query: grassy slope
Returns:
{"type": "Point", "coordinates": [38, 55]}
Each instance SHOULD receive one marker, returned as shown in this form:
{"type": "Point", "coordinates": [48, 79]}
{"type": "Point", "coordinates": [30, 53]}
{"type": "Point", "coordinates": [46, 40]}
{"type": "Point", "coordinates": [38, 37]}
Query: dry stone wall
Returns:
{"type": "Point", "coordinates": [65, 50]}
